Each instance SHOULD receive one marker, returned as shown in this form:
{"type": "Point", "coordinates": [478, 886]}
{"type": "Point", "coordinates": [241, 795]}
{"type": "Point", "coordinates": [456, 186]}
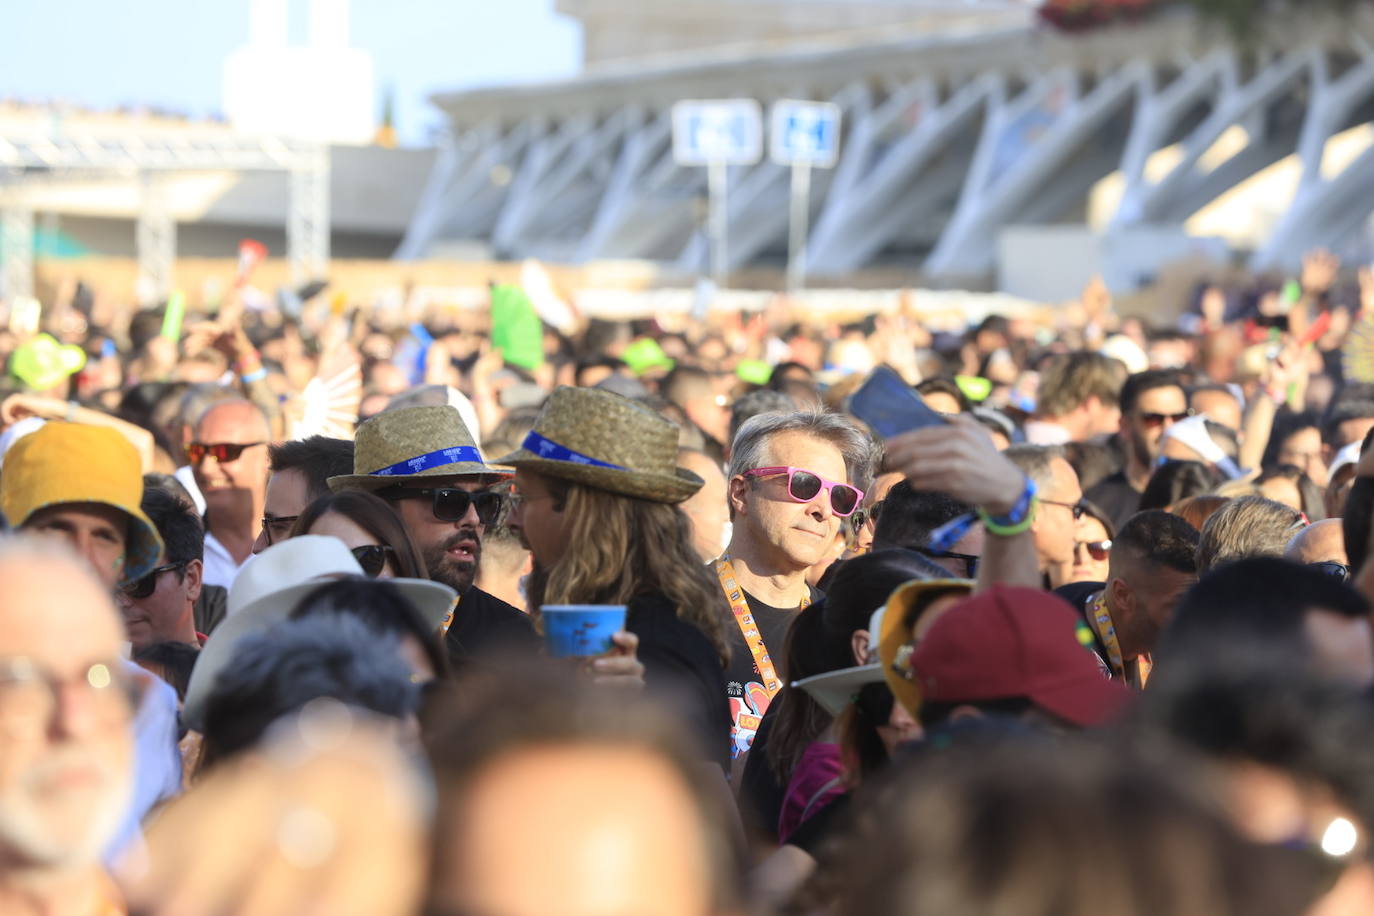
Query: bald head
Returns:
{"type": "Point", "coordinates": [1321, 542]}
{"type": "Point", "coordinates": [229, 452]}
{"type": "Point", "coordinates": [65, 761]}
{"type": "Point", "coordinates": [232, 416]}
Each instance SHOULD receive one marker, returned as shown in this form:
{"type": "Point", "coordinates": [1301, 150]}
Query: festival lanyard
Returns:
{"type": "Point", "coordinates": [1102, 622]}
{"type": "Point", "coordinates": [748, 628]}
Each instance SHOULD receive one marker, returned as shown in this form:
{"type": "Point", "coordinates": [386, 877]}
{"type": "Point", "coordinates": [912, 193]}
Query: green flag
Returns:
{"type": "Point", "coordinates": [515, 327]}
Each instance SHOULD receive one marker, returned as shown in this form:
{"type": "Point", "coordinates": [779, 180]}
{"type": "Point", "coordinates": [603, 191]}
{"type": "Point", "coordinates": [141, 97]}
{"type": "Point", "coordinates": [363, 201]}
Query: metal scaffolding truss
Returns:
{"type": "Point", "coordinates": [948, 141]}
{"type": "Point", "coordinates": [34, 150]}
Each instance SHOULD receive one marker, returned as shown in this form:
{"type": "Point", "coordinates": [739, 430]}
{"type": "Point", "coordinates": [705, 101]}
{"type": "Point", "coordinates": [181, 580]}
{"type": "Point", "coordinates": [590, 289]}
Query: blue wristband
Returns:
{"type": "Point", "coordinates": [256, 375]}
{"type": "Point", "coordinates": [1018, 512]}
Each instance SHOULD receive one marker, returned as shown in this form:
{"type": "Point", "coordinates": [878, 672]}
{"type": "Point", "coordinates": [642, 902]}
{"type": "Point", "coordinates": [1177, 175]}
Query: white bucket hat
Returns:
{"type": "Point", "coordinates": [267, 590]}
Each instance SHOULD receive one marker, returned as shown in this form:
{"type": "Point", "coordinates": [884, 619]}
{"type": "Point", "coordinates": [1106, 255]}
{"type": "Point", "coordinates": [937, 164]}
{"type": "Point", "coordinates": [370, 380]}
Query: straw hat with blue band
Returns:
{"type": "Point", "coordinates": [607, 442]}
{"type": "Point", "coordinates": [76, 463]}
{"type": "Point", "coordinates": [414, 444]}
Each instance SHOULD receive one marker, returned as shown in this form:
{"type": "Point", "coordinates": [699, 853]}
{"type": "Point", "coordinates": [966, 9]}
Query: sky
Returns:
{"type": "Point", "coordinates": [170, 53]}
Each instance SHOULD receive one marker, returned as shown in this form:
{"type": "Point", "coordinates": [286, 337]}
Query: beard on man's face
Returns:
{"type": "Point", "coordinates": [453, 561]}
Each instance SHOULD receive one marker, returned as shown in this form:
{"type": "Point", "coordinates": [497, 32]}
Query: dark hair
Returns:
{"type": "Point", "coordinates": [909, 516]}
{"type": "Point", "coordinates": [1093, 511]}
{"type": "Point", "coordinates": [1262, 599]}
{"type": "Point", "coordinates": [375, 516]}
{"type": "Point", "coordinates": [176, 521]}
{"type": "Point", "coordinates": [1253, 701]}
{"type": "Point", "coordinates": [947, 386]}
{"type": "Point", "coordinates": [1309, 494]}
{"type": "Point", "coordinates": [489, 718]}
{"type": "Point", "coordinates": [1093, 462]}
{"type": "Point", "coordinates": [819, 640]}
{"type": "Point", "coordinates": [281, 669]}
{"type": "Point", "coordinates": [1286, 425]}
{"type": "Point", "coordinates": [1174, 481]}
{"type": "Point", "coordinates": [1356, 519]}
{"type": "Point", "coordinates": [1149, 380]}
{"type": "Point", "coordinates": [984, 829]}
{"type": "Point", "coordinates": [1342, 412]}
{"type": "Point", "coordinates": [778, 376]}
{"type": "Point", "coordinates": [318, 458]}
{"type": "Point", "coordinates": [684, 383]}
{"type": "Point", "coordinates": [1161, 539]}
{"type": "Point", "coordinates": [174, 661]}
{"type": "Point", "coordinates": [380, 605]}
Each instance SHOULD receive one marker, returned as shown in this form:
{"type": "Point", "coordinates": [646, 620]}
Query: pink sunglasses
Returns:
{"type": "Point", "coordinates": [803, 486]}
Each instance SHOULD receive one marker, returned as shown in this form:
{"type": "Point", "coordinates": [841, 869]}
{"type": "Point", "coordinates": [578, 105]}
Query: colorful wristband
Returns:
{"type": "Point", "coordinates": [1018, 512]}
{"type": "Point", "coordinates": [997, 527]}
{"type": "Point", "coordinates": [256, 375]}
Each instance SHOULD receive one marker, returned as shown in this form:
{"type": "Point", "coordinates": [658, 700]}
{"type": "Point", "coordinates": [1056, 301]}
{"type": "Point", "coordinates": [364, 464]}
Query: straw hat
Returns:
{"type": "Point", "coordinates": [76, 463]}
{"type": "Point", "coordinates": [268, 589]}
{"type": "Point", "coordinates": [413, 443]}
{"type": "Point", "coordinates": [604, 441]}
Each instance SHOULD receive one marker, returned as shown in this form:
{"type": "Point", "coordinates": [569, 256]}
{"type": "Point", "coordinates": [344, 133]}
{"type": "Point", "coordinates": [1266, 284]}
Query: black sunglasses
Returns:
{"type": "Point", "coordinates": [1332, 568]}
{"type": "Point", "coordinates": [1159, 419]}
{"type": "Point", "coordinates": [970, 561]}
{"type": "Point", "coordinates": [144, 585]}
{"type": "Point", "coordinates": [372, 558]}
{"type": "Point", "coordinates": [1077, 508]}
{"type": "Point", "coordinates": [450, 503]}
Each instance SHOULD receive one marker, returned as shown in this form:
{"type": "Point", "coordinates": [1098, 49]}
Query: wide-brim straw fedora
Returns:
{"type": "Point", "coordinates": [413, 443]}
{"type": "Point", "coordinates": [607, 442]}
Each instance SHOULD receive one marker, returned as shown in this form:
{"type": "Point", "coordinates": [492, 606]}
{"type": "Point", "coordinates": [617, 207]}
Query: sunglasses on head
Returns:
{"type": "Point", "coordinates": [804, 486]}
{"type": "Point", "coordinates": [372, 558]}
{"type": "Point", "coordinates": [1159, 419]}
{"type": "Point", "coordinates": [1098, 550]}
{"type": "Point", "coordinates": [144, 585]}
{"type": "Point", "coordinates": [450, 504]}
{"type": "Point", "coordinates": [223, 452]}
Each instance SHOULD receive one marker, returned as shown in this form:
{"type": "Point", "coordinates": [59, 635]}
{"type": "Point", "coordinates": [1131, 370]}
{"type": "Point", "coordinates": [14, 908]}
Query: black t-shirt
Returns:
{"type": "Point", "coordinates": [743, 683]}
{"type": "Point", "coordinates": [760, 794]}
{"type": "Point", "coordinates": [812, 834]}
{"type": "Point", "coordinates": [485, 626]}
{"type": "Point", "coordinates": [682, 669]}
{"type": "Point", "coordinates": [1116, 497]}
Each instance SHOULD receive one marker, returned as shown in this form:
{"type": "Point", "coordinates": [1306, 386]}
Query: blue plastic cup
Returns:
{"type": "Point", "coordinates": [573, 630]}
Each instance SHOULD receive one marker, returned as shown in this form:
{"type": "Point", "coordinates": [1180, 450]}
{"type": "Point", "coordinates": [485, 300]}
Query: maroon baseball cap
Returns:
{"type": "Point", "coordinates": [1015, 642]}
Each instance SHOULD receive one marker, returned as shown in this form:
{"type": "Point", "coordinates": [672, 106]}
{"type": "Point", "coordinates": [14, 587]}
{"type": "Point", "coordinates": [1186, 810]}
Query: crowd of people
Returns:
{"type": "Point", "coordinates": [273, 636]}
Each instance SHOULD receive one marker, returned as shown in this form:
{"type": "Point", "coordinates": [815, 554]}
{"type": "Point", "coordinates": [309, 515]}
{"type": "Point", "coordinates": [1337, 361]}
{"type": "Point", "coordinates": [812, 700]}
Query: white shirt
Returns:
{"type": "Point", "coordinates": [220, 568]}
{"type": "Point", "coordinates": [1041, 432]}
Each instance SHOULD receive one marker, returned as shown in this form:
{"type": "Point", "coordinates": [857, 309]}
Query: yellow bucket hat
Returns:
{"type": "Point", "coordinates": [77, 463]}
{"type": "Point", "coordinates": [894, 642]}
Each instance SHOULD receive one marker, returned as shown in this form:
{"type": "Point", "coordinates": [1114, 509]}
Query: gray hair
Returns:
{"type": "Point", "coordinates": [750, 405]}
{"type": "Point", "coordinates": [1251, 526]}
{"type": "Point", "coordinates": [859, 451]}
{"type": "Point", "coordinates": [1036, 462]}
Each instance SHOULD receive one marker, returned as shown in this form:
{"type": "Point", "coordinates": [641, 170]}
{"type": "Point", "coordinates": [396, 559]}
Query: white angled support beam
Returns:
{"type": "Point", "coordinates": [156, 240]}
{"type": "Point", "coordinates": [1013, 164]}
{"type": "Point", "coordinates": [307, 226]}
{"type": "Point", "coordinates": [643, 147]}
{"type": "Point", "coordinates": [16, 249]}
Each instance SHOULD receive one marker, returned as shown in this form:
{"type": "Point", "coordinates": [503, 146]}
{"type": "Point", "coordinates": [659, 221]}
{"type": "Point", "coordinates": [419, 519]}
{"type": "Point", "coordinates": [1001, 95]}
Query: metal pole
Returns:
{"type": "Point", "coordinates": [796, 234]}
{"type": "Point", "coordinates": [717, 219]}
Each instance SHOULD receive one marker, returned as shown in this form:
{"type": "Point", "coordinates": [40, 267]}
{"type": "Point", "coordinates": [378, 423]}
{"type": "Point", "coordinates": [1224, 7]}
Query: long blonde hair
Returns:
{"type": "Point", "coordinates": [619, 548]}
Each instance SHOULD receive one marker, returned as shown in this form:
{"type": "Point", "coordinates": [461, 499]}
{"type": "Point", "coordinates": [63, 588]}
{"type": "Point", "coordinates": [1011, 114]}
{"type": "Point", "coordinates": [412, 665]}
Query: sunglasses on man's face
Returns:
{"type": "Point", "coordinates": [146, 584]}
{"type": "Point", "coordinates": [1159, 419]}
{"type": "Point", "coordinates": [450, 504]}
{"type": "Point", "coordinates": [804, 486]}
{"type": "Point", "coordinates": [372, 558]}
{"type": "Point", "coordinates": [223, 452]}
{"type": "Point", "coordinates": [969, 560]}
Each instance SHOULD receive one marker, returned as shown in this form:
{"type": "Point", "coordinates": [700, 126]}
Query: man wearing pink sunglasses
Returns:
{"type": "Point", "coordinates": [793, 478]}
